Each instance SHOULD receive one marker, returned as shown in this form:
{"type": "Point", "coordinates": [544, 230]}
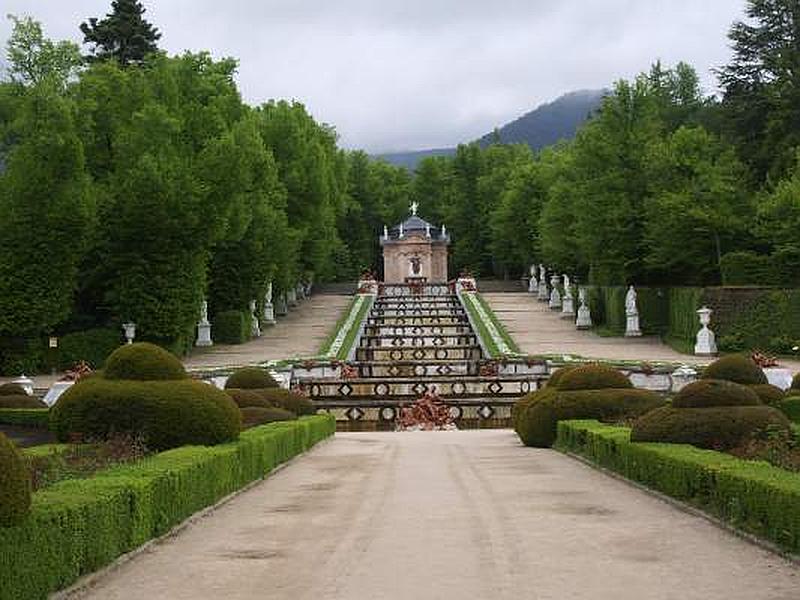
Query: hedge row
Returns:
{"type": "Point", "coordinates": [752, 496]}
{"type": "Point", "coordinates": [232, 327]}
{"type": "Point", "coordinates": [743, 319]}
{"type": "Point", "coordinates": [76, 527]}
{"type": "Point", "coordinates": [37, 418]}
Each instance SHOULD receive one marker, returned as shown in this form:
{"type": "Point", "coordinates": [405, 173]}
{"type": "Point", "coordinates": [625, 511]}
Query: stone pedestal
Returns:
{"type": "Point", "coordinates": [555, 295]}
{"type": "Point", "coordinates": [567, 302]}
{"type": "Point", "coordinates": [544, 293]}
{"type": "Point", "coordinates": [632, 328]}
{"type": "Point", "coordinates": [269, 315]}
{"type": "Point", "coordinates": [204, 334]}
{"type": "Point", "coordinates": [706, 343]}
{"type": "Point", "coordinates": [291, 297]}
{"type": "Point", "coordinates": [584, 314]}
{"type": "Point", "coordinates": [281, 306]}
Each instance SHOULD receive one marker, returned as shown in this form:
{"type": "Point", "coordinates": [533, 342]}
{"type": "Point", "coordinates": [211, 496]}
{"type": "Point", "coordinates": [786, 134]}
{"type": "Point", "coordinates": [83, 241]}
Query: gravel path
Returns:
{"type": "Point", "coordinates": [458, 515]}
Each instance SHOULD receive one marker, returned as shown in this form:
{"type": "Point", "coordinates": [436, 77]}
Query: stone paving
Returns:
{"type": "Point", "coordinates": [448, 515]}
{"type": "Point", "coordinates": [538, 330]}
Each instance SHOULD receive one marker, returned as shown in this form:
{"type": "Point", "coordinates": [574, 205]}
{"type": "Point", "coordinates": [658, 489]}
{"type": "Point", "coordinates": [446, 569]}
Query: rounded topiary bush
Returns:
{"type": "Point", "coordinates": [593, 377]}
{"type": "Point", "coordinates": [558, 375]}
{"type": "Point", "coordinates": [538, 422]}
{"type": "Point", "coordinates": [12, 389]}
{"type": "Point", "coordinates": [143, 362]}
{"type": "Point", "coordinates": [21, 401]}
{"type": "Point", "coordinates": [252, 416]}
{"type": "Point", "coordinates": [791, 408]}
{"type": "Point", "coordinates": [719, 428]}
{"type": "Point", "coordinates": [737, 368]}
{"type": "Point", "coordinates": [299, 405]}
{"type": "Point", "coordinates": [249, 398]}
{"type": "Point", "coordinates": [15, 484]}
{"type": "Point", "coordinates": [707, 393]}
{"type": "Point", "coordinates": [251, 378]}
{"type": "Point", "coordinates": [166, 414]}
{"type": "Point", "coordinates": [769, 394]}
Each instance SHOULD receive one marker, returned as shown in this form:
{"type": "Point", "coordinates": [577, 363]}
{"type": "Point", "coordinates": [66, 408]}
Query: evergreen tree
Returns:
{"type": "Point", "coordinates": [124, 35]}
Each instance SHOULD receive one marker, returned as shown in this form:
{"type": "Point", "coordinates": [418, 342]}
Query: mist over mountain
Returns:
{"type": "Point", "coordinates": [541, 127]}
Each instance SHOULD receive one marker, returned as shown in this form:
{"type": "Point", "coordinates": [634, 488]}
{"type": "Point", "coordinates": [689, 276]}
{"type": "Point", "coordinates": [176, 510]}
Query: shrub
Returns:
{"type": "Point", "coordinates": [92, 346]}
{"type": "Point", "coordinates": [166, 414]}
{"type": "Point", "coordinates": [232, 327]}
{"type": "Point", "coordinates": [252, 416]}
{"type": "Point", "coordinates": [23, 401]}
{"type": "Point", "coordinates": [15, 484]}
{"type": "Point", "coordinates": [796, 382]}
{"type": "Point", "coordinates": [718, 428]}
{"type": "Point", "coordinates": [35, 418]}
{"type": "Point", "coordinates": [251, 378]}
{"type": "Point", "coordinates": [143, 362]}
{"type": "Point", "coordinates": [747, 268]}
{"type": "Point", "coordinates": [708, 393]}
{"type": "Point", "coordinates": [593, 377]}
{"type": "Point", "coordinates": [791, 408]}
{"type": "Point", "coordinates": [737, 368]}
{"type": "Point", "coordinates": [12, 389]}
{"type": "Point", "coordinates": [248, 398]}
{"type": "Point", "coordinates": [299, 405]}
{"type": "Point", "coordinates": [769, 394]}
{"type": "Point", "coordinates": [558, 375]}
{"type": "Point", "coordinates": [537, 424]}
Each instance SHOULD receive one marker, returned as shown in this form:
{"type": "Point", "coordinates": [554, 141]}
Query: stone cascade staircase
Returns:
{"type": "Point", "coordinates": [417, 340]}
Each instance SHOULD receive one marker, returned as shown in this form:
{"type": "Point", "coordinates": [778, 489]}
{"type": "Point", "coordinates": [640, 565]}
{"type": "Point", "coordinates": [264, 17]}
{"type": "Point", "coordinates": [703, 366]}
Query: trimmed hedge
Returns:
{"type": "Point", "coordinates": [737, 368]}
{"type": "Point", "coordinates": [15, 485]}
{"type": "Point", "coordinates": [769, 394]}
{"type": "Point", "coordinates": [711, 393]}
{"type": "Point", "coordinates": [712, 428]}
{"type": "Point", "coordinates": [167, 414]}
{"type": "Point", "coordinates": [143, 361]}
{"type": "Point", "coordinates": [251, 378]}
{"type": "Point", "coordinates": [796, 382]}
{"type": "Point", "coordinates": [747, 268]}
{"type": "Point", "coordinates": [248, 398]}
{"type": "Point", "coordinates": [92, 346]}
{"type": "Point", "coordinates": [593, 377]}
{"type": "Point", "coordinates": [554, 379]}
{"type": "Point", "coordinates": [536, 423]}
{"type": "Point", "coordinates": [36, 418]}
{"type": "Point", "coordinates": [232, 327]}
{"type": "Point", "coordinates": [22, 401]}
{"type": "Point", "coordinates": [299, 405]}
{"type": "Point", "coordinates": [791, 408]}
{"type": "Point", "coordinates": [253, 416]}
{"type": "Point", "coordinates": [751, 495]}
{"type": "Point", "coordinates": [12, 389]}
{"type": "Point", "coordinates": [79, 526]}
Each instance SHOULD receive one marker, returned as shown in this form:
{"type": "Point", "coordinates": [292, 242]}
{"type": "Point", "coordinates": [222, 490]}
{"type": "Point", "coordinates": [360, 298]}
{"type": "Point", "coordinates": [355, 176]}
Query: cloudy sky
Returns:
{"type": "Point", "coordinates": [415, 74]}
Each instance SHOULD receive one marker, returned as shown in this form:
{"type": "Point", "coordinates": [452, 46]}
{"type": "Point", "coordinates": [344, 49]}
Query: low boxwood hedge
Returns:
{"type": "Point", "coordinates": [78, 526]}
{"type": "Point", "coordinates": [257, 415]}
{"type": "Point", "coordinates": [36, 418]}
{"type": "Point", "coordinates": [15, 486]}
{"type": "Point", "coordinates": [753, 496]}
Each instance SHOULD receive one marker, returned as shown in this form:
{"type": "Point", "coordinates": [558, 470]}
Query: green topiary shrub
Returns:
{"type": "Point", "coordinates": [791, 408]}
{"type": "Point", "coordinates": [299, 405]}
{"type": "Point", "coordinates": [769, 394]}
{"type": "Point", "coordinates": [93, 346]}
{"type": "Point", "coordinates": [12, 389]}
{"type": "Point", "coordinates": [248, 398]}
{"type": "Point", "coordinates": [737, 368]}
{"type": "Point", "coordinates": [558, 375]}
{"type": "Point", "coordinates": [143, 362]}
{"type": "Point", "coordinates": [15, 484]}
{"type": "Point", "coordinates": [232, 327]}
{"type": "Point", "coordinates": [796, 382]}
{"type": "Point", "coordinates": [707, 393]}
{"type": "Point", "coordinates": [718, 428]}
{"type": "Point", "coordinates": [251, 378]}
{"type": "Point", "coordinates": [22, 401]}
{"type": "Point", "coordinates": [252, 416]}
{"type": "Point", "coordinates": [167, 414]}
{"type": "Point", "coordinates": [593, 377]}
{"type": "Point", "coordinates": [537, 424]}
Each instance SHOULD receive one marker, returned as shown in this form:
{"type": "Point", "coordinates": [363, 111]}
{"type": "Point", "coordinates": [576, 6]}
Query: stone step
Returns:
{"type": "Point", "coordinates": [418, 312]}
{"type": "Point", "coordinates": [418, 320]}
{"type": "Point", "coordinates": [415, 368]}
{"type": "Point", "coordinates": [410, 353]}
{"type": "Point", "coordinates": [408, 330]}
{"type": "Point", "coordinates": [433, 340]}
{"type": "Point", "coordinates": [416, 302]}
{"type": "Point", "coordinates": [401, 290]}
{"type": "Point", "coordinates": [409, 389]}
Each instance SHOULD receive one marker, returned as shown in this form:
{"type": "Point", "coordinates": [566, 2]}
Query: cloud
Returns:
{"type": "Point", "coordinates": [425, 73]}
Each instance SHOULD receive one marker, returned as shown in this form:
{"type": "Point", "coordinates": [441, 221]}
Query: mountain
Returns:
{"type": "Point", "coordinates": [544, 126]}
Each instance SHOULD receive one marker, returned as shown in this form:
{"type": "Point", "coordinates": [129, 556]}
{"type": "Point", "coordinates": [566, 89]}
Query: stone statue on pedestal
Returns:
{"type": "Point", "coordinates": [204, 327]}
{"type": "Point", "coordinates": [555, 294]}
{"type": "Point", "coordinates": [255, 329]}
{"type": "Point", "coordinates": [533, 284]}
{"type": "Point", "coordinates": [632, 314]}
{"type": "Point", "coordinates": [544, 293]}
{"type": "Point", "coordinates": [568, 302]}
{"type": "Point", "coordinates": [584, 314]}
{"type": "Point", "coordinates": [269, 308]}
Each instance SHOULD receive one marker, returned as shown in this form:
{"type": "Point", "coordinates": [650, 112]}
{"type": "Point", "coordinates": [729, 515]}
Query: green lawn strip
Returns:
{"type": "Point", "coordinates": [752, 496]}
{"type": "Point", "coordinates": [483, 333]}
{"type": "Point", "coordinates": [38, 418]}
{"type": "Point", "coordinates": [350, 338]}
{"type": "Point", "coordinates": [482, 328]}
{"type": "Point", "coordinates": [498, 325]}
{"type": "Point", "coordinates": [79, 526]}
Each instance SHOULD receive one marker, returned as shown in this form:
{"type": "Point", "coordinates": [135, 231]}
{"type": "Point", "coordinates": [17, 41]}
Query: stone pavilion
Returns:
{"type": "Point", "coordinates": [415, 251]}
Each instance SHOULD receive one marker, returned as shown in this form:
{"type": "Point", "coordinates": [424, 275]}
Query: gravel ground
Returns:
{"type": "Point", "coordinates": [449, 515]}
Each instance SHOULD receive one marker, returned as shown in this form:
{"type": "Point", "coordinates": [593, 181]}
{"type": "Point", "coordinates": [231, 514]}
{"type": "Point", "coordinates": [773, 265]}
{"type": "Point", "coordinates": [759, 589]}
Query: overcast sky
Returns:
{"type": "Point", "coordinates": [415, 74]}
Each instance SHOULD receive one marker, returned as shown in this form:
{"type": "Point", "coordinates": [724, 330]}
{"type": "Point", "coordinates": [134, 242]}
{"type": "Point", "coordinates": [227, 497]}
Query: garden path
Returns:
{"type": "Point", "coordinates": [538, 330]}
{"type": "Point", "coordinates": [469, 514]}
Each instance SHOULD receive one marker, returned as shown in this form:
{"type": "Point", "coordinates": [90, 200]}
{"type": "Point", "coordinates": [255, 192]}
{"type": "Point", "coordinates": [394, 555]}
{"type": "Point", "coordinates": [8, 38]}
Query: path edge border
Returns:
{"type": "Point", "coordinates": [763, 544]}
{"type": "Point", "coordinates": [87, 582]}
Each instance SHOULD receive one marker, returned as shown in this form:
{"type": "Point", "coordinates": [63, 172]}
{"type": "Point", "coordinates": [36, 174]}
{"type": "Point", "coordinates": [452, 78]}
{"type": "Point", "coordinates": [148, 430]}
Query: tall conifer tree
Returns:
{"type": "Point", "coordinates": [123, 35]}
